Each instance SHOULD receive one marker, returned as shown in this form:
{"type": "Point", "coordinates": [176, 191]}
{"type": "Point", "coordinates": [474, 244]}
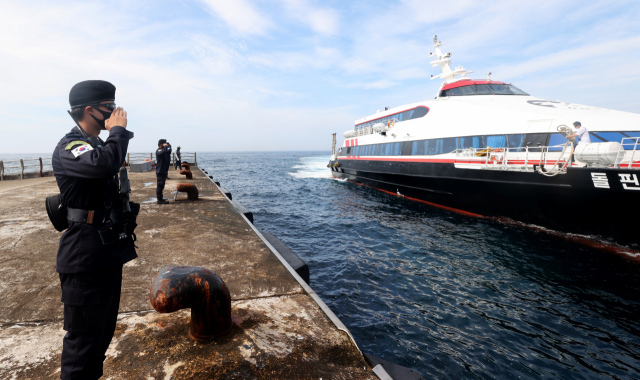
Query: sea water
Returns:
{"type": "Point", "coordinates": [447, 295]}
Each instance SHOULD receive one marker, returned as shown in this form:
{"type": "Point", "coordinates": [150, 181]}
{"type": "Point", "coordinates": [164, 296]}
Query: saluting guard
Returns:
{"type": "Point", "coordinates": [99, 238]}
{"type": "Point", "coordinates": [163, 162]}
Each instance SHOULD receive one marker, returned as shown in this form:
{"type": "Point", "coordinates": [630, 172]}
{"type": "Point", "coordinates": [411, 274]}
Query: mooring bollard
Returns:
{"type": "Point", "coordinates": [187, 173]}
{"type": "Point", "coordinates": [181, 287]}
{"type": "Point", "coordinates": [185, 165]}
{"type": "Point", "coordinates": [190, 189]}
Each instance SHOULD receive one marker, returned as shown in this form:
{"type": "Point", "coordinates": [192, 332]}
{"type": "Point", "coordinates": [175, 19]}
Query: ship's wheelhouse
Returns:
{"type": "Point", "coordinates": [470, 87]}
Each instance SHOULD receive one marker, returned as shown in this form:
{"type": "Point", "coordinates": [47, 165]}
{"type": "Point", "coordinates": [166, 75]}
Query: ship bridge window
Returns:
{"type": "Point", "coordinates": [483, 89]}
{"type": "Point", "coordinates": [515, 90]}
{"type": "Point", "coordinates": [499, 89]}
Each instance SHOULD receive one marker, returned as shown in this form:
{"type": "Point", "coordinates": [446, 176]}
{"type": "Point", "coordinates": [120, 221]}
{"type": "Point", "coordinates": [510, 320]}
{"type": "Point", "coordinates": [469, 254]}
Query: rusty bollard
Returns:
{"type": "Point", "coordinates": [186, 166]}
{"type": "Point", "coordinates": [180, 287]}
{"type": "Point", "coordinates": [187, 173]}
{"type": "Point", "coordinates": [190, 189]}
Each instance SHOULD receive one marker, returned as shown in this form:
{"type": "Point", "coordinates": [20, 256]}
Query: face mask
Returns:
{"type": "Point", "coordinates": [106, 115]}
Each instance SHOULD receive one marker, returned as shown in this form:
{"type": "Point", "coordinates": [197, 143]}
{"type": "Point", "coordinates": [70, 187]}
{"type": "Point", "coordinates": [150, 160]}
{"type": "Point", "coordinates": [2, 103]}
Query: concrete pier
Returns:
{"type": "Point", "coordinates": [281, 330]}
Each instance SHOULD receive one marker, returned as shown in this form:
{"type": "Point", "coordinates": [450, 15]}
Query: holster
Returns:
{"type": "Point", "coordinates": [119, 229]}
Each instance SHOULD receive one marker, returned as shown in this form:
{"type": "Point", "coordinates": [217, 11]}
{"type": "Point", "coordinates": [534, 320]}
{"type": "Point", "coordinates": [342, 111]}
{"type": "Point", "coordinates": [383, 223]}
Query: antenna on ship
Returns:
{"type": "Point", "coordinates": [444, 60]}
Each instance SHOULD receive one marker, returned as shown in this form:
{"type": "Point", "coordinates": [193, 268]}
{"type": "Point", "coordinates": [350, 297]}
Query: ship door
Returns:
{"type": "Point", "coordinates": [537, 132]}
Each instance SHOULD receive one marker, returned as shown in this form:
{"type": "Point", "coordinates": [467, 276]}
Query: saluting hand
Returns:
{"type": "Point", "coordinates": [118, 118]}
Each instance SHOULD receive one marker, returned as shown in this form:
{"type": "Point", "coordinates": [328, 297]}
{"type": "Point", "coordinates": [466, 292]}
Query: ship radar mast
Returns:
{"type": "Point", "coordinates": [444, 60]}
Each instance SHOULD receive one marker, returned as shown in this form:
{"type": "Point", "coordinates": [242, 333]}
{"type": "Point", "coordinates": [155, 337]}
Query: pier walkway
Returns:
{"type": "Point", "coordinates": [281, 329]}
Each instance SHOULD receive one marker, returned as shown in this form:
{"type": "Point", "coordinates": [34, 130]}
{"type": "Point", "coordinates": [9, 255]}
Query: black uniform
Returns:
{"type": "Point", "coordinates": [178, 163]}
{"type": "Point", "coordinates": [163, 162]}
{"type": "Point", "coordinates": [90, 272]}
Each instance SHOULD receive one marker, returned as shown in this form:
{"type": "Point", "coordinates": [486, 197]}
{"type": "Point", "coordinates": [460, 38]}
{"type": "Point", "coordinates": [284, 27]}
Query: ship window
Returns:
{"type": "Point", "coordinates": [515, 141]}
{"type": "Point", "coordinates": [448, 145]}
{"type": "Point", "coordinates": [467, 90]}
{"type": "Point", "coordinates": [481, 89]}
{"type": "Point", "coordinates": [348, 151]}
{"type": "Point", "coordinates": [419, 112]}
{"type": "Point", "coordinates": [556, 139]}
{"type": "Point", "coordinates": [499, 89]}
{"type": "Point", "coordinates": [433, 146]}
{"type": "Point", "coordinates": [388, 149]}
{"type": "Point", "coordinates": [499, 141]}
{"type": "Point", "coordinates": [418, 148]}
{"type": "Point", "coordinates": [469, 142]}
{"type": "Point", "coordinates": [397, 148]}
{"type": "Point", "coordinates": [629, 143]}
{"type": "Point", "coordinates": [380, 150]}
{"type": "Point", "coordinates": [516, 90]}
{"type": "Point", "coordinates": [406, 148]}
{"type": "Point", "coordinates": [535, 140]}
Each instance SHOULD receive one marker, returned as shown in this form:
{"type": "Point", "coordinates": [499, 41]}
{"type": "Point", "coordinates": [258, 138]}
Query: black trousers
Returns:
{"type": "Point", "coordinates": [162, 178]}
{"type": "Point", "coordinates": [91, 301]}
{"type": "Point", "coordinates": [177, 164]}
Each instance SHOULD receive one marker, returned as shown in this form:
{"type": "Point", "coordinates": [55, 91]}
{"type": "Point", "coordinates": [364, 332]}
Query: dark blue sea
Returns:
{"type": "Point", "coordinates": [450, 296]}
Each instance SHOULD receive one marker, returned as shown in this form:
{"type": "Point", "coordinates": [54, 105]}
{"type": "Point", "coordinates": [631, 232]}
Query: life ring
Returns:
{"type": "Point", "coordinates": [484, 152]}
{"type": "Point", "coordinates": [498, 150]}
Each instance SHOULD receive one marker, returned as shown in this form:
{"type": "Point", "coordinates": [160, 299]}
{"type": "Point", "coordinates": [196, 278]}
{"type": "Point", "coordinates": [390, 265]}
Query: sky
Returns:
{"type": "Point", "coordinates": [276, 75]}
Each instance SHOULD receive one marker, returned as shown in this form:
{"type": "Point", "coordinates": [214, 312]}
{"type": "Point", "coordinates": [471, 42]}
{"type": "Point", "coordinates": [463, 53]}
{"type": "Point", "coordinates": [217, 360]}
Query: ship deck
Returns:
{"type": "Point", "coordinates": [281, 330]}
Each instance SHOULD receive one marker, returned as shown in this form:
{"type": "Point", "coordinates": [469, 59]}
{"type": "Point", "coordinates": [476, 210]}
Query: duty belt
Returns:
{"type": "Point", "coordinates": [85, 216]}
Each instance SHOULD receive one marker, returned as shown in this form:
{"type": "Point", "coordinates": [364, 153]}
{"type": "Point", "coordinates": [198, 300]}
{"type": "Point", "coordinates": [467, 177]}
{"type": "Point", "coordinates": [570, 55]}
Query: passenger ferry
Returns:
{"type": "Point", "coordinates": [489, 148]}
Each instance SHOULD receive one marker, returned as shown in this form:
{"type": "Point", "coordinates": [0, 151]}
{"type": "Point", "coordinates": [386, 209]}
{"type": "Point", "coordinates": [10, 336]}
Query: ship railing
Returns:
{"type": "Point", "coordinates": [623, 151]}
{"type": "Point", "coordinates": [497, 158]}
{"type": "Point", "coordinates": [364, 131]}
{"type": "Point", "coordinates": [369, 130]}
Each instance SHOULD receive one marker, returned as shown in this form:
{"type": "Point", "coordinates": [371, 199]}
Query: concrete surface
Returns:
{"type": "Point", "coordinates": [280, 332]}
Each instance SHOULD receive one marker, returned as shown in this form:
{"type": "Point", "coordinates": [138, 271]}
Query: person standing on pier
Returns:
{"type": "Point", "coordinates": [91, 254]}
{"type": "Point", "coordinates": [163, 162]}
{"type": "Point", "coordinates": [178, 163]}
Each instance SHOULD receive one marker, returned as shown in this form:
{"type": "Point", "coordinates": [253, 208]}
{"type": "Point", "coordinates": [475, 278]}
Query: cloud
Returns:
{"type": "Point", "coordinates": [240, 15]}
{"type": "Point", "coordinates": [284, 74]}
{"type": "Point", "coordinates": [321, 20]}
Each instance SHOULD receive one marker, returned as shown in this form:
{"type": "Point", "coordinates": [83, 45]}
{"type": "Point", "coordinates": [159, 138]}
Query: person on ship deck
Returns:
{"type": "Point", "coordinates": [581, 133]}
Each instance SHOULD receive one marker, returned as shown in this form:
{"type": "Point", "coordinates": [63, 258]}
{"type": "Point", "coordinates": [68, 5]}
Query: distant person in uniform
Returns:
{"type": "Point", "coordinates": [581, 133]}
{"type": "Point", "coordinates": [92, 250]}
{"type": "Point", "coordinates": [163, 161]}
{"type": "Point", "coordinates": [178, 164]}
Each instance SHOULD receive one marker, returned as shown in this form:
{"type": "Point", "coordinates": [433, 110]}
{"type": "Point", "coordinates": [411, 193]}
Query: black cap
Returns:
{"type": "Point", "coordinates": [91, 92]}
{"type": "Point", "coordinates": [577, 123]}
{"type": "Point", "coordinates": [162, 141]}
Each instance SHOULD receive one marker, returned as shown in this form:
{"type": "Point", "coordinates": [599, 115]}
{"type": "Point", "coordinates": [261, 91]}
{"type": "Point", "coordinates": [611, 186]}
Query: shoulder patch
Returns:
{"type": "Point", "coordinates": [74, 143]}
{"type": "Point", "coordinates": [81, 150]}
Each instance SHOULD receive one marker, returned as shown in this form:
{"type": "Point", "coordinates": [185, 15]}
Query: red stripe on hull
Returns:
{"type": "Point", "coordinates": [623, 252]}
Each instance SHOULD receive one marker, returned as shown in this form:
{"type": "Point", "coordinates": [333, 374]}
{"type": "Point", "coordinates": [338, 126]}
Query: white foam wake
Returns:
{"type": "Point", "coordinates": [312, 167]}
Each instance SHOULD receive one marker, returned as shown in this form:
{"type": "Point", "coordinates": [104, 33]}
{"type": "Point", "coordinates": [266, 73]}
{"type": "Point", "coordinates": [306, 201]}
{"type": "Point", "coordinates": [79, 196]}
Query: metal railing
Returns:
{"type": "Point", "coordinates": [635, 141]}
{"type": "Point", "coordinates": [21, 165]}
{"type": "Point", "coordinates": [369, 130]}
{"type": "Point", "coordinates": [498, 158]}
{"type": "Point", "coordinates": [137, 157]}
